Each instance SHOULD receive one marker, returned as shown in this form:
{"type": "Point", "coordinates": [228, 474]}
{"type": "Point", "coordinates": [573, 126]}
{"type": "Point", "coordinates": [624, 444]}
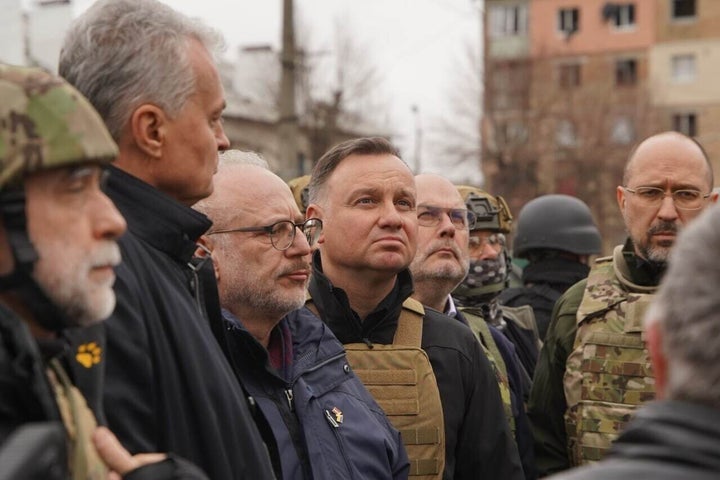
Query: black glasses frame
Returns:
{"type": "Point", "coordinates": [308, 224]}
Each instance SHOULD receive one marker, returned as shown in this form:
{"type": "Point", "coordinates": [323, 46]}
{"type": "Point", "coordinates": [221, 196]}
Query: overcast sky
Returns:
{"type": "Point", "coordinates": [414, 43]}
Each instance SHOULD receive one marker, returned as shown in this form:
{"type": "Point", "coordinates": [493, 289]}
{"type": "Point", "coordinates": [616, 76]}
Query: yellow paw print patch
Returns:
{"type": "Point", "coordinates": [89, 354]}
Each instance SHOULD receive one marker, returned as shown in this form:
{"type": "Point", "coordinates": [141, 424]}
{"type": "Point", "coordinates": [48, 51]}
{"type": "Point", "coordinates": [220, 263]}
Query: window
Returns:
{"type": "Point", "coordinates": [623, 131]}
{"type": "Point", "coordinates": [621, 15]}
{"type": "Point", "coordinates": [683, 9]}
{"type": "Point", "coordinates": [685, 123]}
{"type": "Point", "coordinates": [512, 133]}
{"type": "Point", "coordinates": [626, 72]}
{"type": "Point", "coordinates": [568, 20]}
{"type": "Point", "coordinates": [508, 20]}
{"type": "Point", "coordinates": [565, 134]}
{"type": "Point", "coordinates": [569, 75]}
{"type": "Point", "coordinates": [683, 68]}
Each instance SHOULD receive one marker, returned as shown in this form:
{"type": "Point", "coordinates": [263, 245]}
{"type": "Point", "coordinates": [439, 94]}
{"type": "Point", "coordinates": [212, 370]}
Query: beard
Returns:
{"type": "Point", "coordinates": [445, 271]}
{"type": "Point", "coordinates": [265, 296]}
{"type": "Point", "coordinates": [658, 253]}
{"type": "Point", "coordinates": [67, 282]}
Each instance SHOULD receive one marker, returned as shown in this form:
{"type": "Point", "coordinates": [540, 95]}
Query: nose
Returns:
{"type": "Point", "coordinates": [667, 210]}
{"type": "Point", "coordinates": [300, 246]}
{"type": "Point", "coordinates": [390, 216]}
{"type": "Point", "coordinates": [222, 140]}
{"type": "Point", "coordinates": [108, 222]}
{"type": "Point", "coordinates": [446, 227]}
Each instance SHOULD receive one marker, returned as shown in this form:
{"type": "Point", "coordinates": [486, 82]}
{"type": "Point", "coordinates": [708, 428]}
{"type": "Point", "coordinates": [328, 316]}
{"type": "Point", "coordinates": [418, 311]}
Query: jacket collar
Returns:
{"type": "Point", "coordinates": [334, 307]}
{"type": "Point", "coordinates": [154, 217]}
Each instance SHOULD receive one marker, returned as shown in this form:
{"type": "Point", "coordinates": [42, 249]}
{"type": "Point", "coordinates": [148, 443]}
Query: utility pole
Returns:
{"type": "Point", "coordinates": [418, 139]}
{"type": "Point", "coordinates": [288, 123]}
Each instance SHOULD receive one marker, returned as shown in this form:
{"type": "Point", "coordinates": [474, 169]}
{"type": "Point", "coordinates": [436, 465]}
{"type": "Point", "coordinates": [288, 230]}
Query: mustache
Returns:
{"type": "Point", "coordinates": [107, 254]}
{"type": "Point", "coordinates": [663, 227]}
{"type": "Point", "coordinates": [294, 268]}
{"type": "Point", "coordinates": [442, 245]}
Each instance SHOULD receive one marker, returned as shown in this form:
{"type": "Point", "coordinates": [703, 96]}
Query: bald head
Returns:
{"type": "Point", "coordinates": [672, 143]}
{"type": "Point", "coordinates": [241, 189]}
{"type": "Point", "coordinates": [432, 188]}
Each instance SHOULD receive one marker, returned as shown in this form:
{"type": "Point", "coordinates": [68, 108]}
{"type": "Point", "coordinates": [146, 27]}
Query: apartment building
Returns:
{"type": "Point", "coordinates": [588, 79]}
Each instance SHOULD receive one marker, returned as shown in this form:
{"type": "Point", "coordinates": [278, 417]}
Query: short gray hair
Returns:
{"type": "Point", "coordinates": [123, 53]}
{"type": "Point", "coordinates": [687, 308]}
{"type": "Point", "coordinates": [242, 157]}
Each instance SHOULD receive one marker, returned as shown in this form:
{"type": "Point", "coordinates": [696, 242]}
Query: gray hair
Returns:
{"type": "Point", "coordinates": [242, 157]}
{"type": "Point", "coordinates": [687, 308]}
{"type": "Point", "coordinates": [123, 53]}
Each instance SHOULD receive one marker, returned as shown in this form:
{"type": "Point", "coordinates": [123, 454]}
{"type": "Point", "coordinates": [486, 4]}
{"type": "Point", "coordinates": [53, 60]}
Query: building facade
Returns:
{"type": "Point", "coordinates": [593, 78]}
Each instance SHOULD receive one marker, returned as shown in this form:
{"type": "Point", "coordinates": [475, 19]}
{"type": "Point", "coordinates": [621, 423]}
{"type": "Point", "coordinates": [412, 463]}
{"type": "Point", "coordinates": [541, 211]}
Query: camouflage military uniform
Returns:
{"type": "Point", "coordinates": [582, 375]}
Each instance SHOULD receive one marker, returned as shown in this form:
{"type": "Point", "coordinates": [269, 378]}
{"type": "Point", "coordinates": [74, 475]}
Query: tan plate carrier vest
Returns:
{"type": "Point", "coordinates": [401, 379]}
{"type": "Point", "coordinates": [80, 423]}
{"type": "Point", "coordinates": [608, 374]}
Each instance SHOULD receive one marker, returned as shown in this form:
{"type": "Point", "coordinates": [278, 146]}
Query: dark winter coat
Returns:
{"type": "Point", "coordinates": [666, 440]}
{"type": "Point", "coordinates": [168, 385]}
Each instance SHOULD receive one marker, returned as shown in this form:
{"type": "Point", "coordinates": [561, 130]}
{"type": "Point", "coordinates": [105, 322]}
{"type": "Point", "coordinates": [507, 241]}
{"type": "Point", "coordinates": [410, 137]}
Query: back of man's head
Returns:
{"type": "Point", "coordinates": [122, 53]}
{"type": "Point", "coordinates": [687, 310]}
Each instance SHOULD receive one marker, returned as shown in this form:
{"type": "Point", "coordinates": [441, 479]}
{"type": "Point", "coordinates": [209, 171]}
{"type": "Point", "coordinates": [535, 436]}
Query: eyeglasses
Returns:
{"type": "Point", "coordinates": [461, 219]}
{"type": "Point", "coordinates": [683, 199]}
{"type": "Point", "coordinates": [496, 241]}
{"type": "Point", "coordinates": [282, 233]}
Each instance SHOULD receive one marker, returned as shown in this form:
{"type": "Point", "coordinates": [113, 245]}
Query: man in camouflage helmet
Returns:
{"type": "Point", "coordinates": [557, 235]}
{"type": "Point", "coordinates": [440, 264]}
{"type": "Point", "coordinates": [58, 249]}
{"type": "Point", "coordinates": [477, 295]}
{"type": "Point", "coordinates": [594, 370]}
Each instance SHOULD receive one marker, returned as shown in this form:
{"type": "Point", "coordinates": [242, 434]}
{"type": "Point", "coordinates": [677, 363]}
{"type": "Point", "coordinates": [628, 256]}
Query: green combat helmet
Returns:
{"type": "Point", "coordinates": [492, 213]}
{"type": "Point", "coordinates": [44, 124]}
{"type": "Point", "coordinates": [299, 187]}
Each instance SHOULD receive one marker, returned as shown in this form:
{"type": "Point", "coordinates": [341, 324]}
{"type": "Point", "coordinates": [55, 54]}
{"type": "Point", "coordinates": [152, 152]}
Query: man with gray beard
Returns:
{"type": "Point", "coordinates": [594, 371]}
{"type": "Point", "coordinates": [288, 361]}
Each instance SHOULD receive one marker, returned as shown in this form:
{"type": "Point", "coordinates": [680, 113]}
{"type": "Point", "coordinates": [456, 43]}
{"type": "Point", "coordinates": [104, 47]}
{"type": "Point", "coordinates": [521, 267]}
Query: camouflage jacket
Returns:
{"type": "Point", "coordinates": [548, 404]}
{"type": "Point", "coordinates": [608, 374]}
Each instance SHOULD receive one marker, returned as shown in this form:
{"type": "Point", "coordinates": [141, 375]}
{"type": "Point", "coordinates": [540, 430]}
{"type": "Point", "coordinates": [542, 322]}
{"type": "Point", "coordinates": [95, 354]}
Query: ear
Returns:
{"type": "Point", "coordinates": [714, 197]}
{"type": "Point", "coordinates": [653, 335]}
{"type": "Point", "coordinates": [620, 194]}
{"type": "Point", "coordinates": [206, 241]}
{"type": "Point", "coordinates": [148, 124]}
{"type": "Point", "coordinates": [315, 211]}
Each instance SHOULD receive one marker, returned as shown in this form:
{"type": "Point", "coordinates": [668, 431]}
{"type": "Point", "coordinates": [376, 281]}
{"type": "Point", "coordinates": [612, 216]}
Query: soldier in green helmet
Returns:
{"type": "Point", "coordinates": [58, 250]}
{"type": "Point", "coordinates": [594, 370]}
{"type": "Point", "coordinates": [477, 296]}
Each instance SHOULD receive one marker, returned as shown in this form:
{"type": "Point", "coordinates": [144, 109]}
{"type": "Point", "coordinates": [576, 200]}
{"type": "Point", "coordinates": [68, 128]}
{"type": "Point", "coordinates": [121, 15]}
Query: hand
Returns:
{"type": "Point", "coordinates": [117, 458]}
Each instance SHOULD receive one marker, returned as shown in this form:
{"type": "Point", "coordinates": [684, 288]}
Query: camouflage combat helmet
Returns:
{"type": "Point", "coordinates": [44, 124]}
{"type": "Point", "coordinates": [558, 222]}
{"type": "Point", "coordinates": [492, 213]}
{"type": "Point", "coordinates": [299, 187]}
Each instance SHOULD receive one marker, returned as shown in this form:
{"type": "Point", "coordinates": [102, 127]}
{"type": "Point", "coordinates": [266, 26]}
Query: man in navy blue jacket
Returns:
{"type": "Point", "coordinates": [325, 423]}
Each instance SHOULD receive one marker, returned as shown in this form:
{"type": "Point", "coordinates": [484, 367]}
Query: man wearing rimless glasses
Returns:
{"type": "Point", "coordinates": [322, 421]}
{"type": "Point", "coordinates": [594, 369]}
